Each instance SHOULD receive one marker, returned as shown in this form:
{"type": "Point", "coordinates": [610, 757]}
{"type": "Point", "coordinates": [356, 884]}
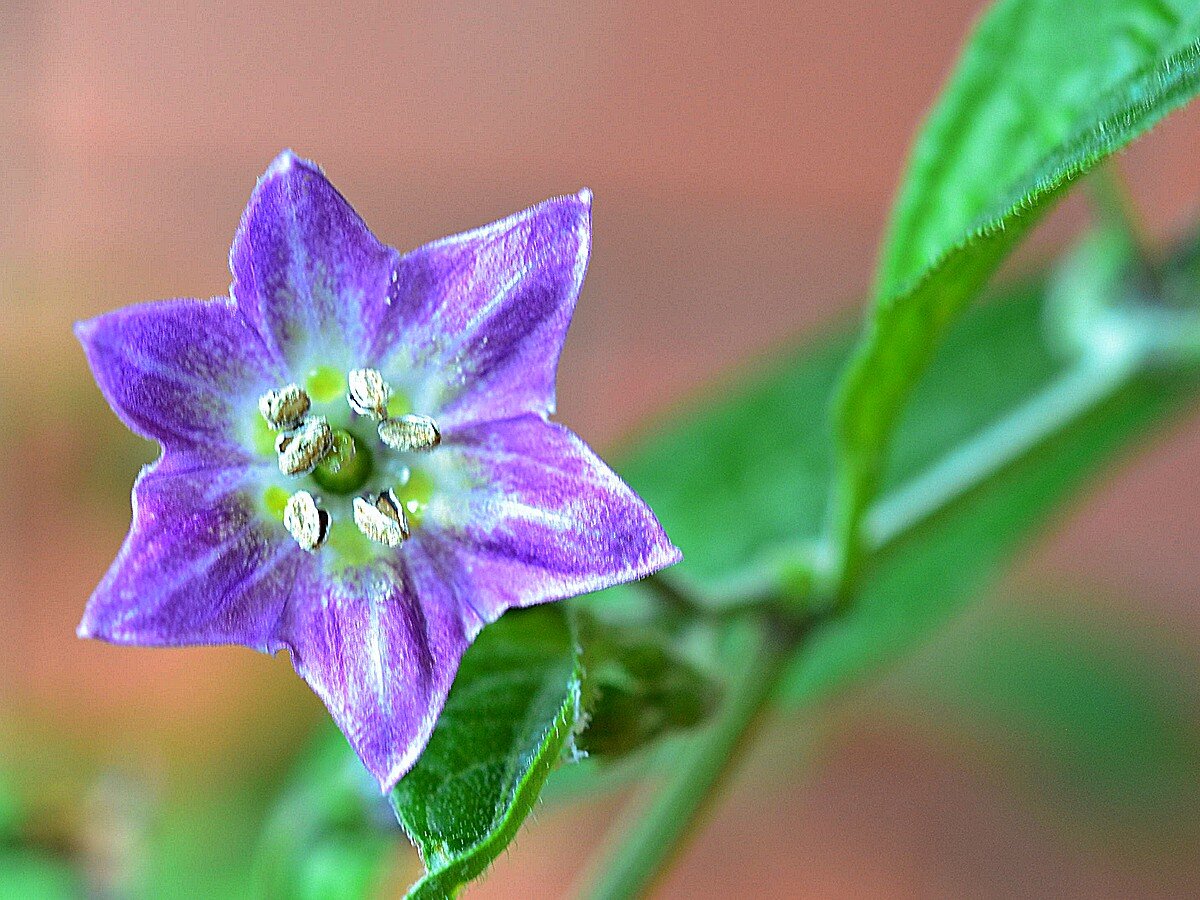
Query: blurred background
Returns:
{"type": "Point", "coordinates": [743, 159]}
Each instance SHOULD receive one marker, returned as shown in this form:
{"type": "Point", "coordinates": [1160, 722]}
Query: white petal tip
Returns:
{"type": "Point", "coordinates": [285, 162]}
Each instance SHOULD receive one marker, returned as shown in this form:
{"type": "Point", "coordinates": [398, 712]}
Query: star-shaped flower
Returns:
{"type": "Point", "coordinates": [357, 463]}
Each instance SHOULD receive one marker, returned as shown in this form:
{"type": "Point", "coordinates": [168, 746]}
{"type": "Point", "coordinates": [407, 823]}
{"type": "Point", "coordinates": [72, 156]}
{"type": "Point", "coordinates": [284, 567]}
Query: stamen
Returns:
{"type": "Point", "coordinates": [382, 521]}
{"type": "Point", "coordinates": [369, 393]}
{"type": "Point", "coordinates": [301, 450]}
{"type": "Point", "coordinates": [308, 524]}
{"type": "Point", "coordinates": [410, 433]}
{"type": "Point", "coordinates": [285, 408]}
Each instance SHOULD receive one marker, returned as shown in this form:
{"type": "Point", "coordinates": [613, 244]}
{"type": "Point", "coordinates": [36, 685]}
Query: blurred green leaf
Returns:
{"type": "Point", "coordinates": [29, 875]}
{"type": "Point", "coordinates": [331, 835]}
{"type": "Point", "coordinates": [27, 871]}
{"type": "Point", "coordinates": [742, 471]}
{"type": "Point", "coordinates": [10, 807]}
{"type": "Point", "coordinates": [1090, 711]}
{"type": "Point", "coordinates": [515, 704]}
{"type": "Point", "coordinates": [1044, 91]}
{"type": "Point", "coordinates": [639, 690]}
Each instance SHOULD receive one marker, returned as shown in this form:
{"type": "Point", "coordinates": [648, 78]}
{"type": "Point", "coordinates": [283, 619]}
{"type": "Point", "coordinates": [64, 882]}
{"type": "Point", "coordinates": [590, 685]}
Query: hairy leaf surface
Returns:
{"type": "Point", "coordinates": [514, 706]}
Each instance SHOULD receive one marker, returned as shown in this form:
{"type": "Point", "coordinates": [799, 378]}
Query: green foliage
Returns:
{"type": "Point", "coordinates": [27, 871]}
{"type": "Point", "coordinates": [10, 807]}
{"type": "Point", "coordinates": [999, 356]}
{"type": "Point", "coordinates": [515, 704]}
{"type": "Point", "coordinates": [1025, 90]}
{"type": "Point", "coordinates": [30, 875]}
{"type": "Point", "coordinates": [328, 837]}
{"type": "Point", "coordinates": [744, 472]}
{"type": "Point", "coordinates": [1045, 90]}
{"type": "Point", "coordinates": [1092, 714]}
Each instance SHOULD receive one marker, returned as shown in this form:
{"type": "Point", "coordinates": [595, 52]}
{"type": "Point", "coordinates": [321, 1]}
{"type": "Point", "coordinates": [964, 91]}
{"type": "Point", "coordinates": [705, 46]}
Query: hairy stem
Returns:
{"type": "Point", "coordinates": [658, 832]}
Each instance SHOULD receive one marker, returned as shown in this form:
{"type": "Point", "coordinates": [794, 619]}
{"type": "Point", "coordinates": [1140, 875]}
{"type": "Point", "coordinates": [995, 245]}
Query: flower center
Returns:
{"type": "Point", "coordinates": [330, 463]}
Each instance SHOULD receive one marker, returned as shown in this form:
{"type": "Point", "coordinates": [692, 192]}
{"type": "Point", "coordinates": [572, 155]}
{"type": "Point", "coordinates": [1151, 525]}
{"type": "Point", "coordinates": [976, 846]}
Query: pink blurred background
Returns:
{"type": "Point", "coordinates": [743, 158]}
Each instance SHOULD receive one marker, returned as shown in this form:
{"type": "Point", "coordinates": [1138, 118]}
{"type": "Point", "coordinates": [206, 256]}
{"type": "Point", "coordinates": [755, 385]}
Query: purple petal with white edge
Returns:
{"type": "Point", "coordinates": [307, 273]}
{"type": "Point", "coordinates": [380, 646]}
{"type": "Point", "coordinates": [482, 316]}
{"type": "Point", "coordinates": [199, 565]}
{"type": "Point", "coordinates": [175, 370]}
{"type": "Point", "coordinates": [546, 518]}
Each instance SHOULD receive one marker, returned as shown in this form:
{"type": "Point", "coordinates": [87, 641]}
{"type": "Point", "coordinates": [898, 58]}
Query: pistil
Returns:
{"type": "Point", "coordinates": [347, 466]}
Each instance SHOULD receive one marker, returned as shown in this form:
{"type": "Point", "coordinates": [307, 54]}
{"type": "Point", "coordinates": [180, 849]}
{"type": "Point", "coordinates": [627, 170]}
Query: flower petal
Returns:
{"type": "Point", "coordinates": [178, 371]}
{"type": "Point", "coordinates": [198, 567]}
{"type": "Point", "coordinates": [540, 518]}
{"type": "Point", "coordinates": [380, 646]}
{"type": "Point", "coordinates": [481, 317]}
{"type": "Point", "coordinates": [307, 273]}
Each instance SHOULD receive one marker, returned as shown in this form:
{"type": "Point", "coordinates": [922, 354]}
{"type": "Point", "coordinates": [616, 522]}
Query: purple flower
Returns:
{"type": "Point", "coordinates": [357, 463]}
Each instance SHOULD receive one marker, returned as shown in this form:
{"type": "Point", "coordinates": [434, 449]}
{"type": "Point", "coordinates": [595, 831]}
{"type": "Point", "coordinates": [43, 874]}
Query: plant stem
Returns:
{"type": "Point", "coordinates": [1088, 383]}
{"type": "Point", "coordinates": [658, 833]}
{"type": "Point", "coordinates": [1080, 389]}
{"type": "Point", "coordinates": [1116, 353]}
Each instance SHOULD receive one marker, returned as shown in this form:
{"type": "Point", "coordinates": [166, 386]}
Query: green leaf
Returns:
{"type": "Point", "coordinates": [11, 812]}
{"type": "Point", "coordinates": [1091, 714]}
{"type": "Point", "coordinates": [1045, 90]}
{"type": "Point", "coordinates": [739, 474]}
{"type": "Point", "coordinates": [1033, 83]}
{"type": "Point", "coordinates": [330, 835]}
{"type": "Point", "coordinates": [31, 875]}
{"type": "Point", "coordinates": [735, 480]}
{"type": "Point", "coordinates": [515, 704]}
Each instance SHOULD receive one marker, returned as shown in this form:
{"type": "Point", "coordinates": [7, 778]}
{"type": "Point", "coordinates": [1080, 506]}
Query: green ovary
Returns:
{"type": "Point", "coordinates": [347, 467]}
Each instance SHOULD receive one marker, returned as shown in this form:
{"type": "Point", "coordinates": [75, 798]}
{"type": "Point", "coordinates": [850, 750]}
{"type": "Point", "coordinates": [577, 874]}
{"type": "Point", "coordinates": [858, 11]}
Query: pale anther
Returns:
{"type": "Point", "coordinates": [410, 433]}
{"type": "Point", "coordinates": [369, 393]}
{"type": "Point", "coordinates": [285, 408]}
{"type": "Point", "coordinates": [300, 451]}
{"type": "Point", "coordinates": [383, 520]}
{"type": "Point", "coordinates": [308, 524]}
